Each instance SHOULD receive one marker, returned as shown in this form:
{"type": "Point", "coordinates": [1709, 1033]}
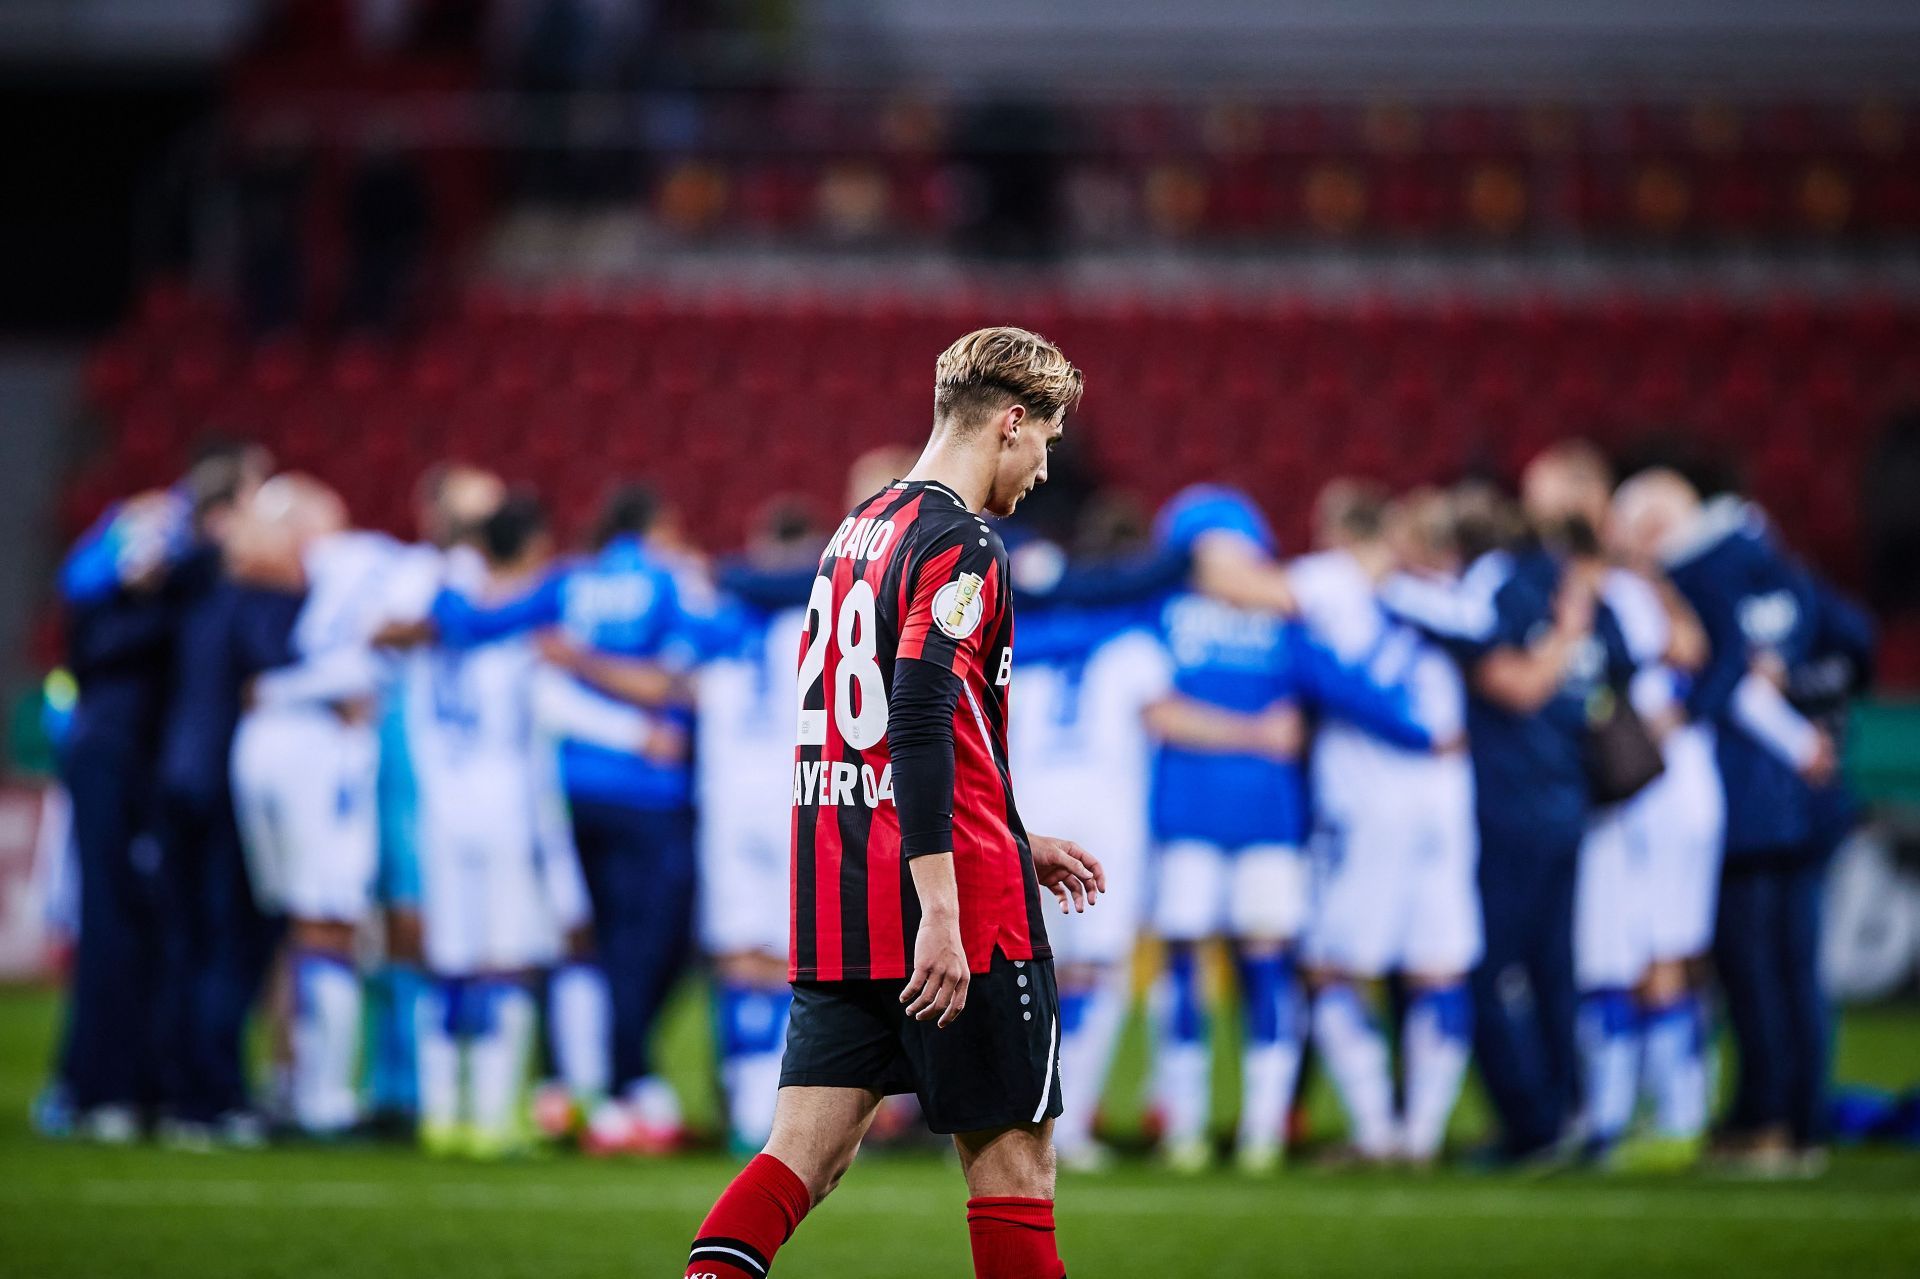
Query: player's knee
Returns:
{"type": "Point", "coordinates": [1320, 976]}
{"type": "Point", "coordinates": [1018, 1160]}
{"type": "Point", "coordinates": [1258, 946]}
{"type": "Point", "coordinates": [405, 936]}
{"type": "Point", "coordinates": [1666, 981]}
{"type": "Point", "coordinates": [1421, 981]}
{"type": "Point", "coordinates": [327, 935]}
{"type": "Point", "coordinates": [833, 1173]}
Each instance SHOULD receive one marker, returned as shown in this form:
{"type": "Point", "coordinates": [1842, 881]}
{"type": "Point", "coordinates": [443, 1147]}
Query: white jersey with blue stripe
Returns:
{"type": "Point", "coordinates": [356, 583]}
{"type": "Point", "coordinates": [1351, 766]}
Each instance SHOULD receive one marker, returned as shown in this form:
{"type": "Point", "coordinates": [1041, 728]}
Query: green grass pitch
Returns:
{"type": "Point", "coordinates": [67, 1210]}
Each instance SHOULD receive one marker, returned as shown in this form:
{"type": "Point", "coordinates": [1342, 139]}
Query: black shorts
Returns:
{"type": "Point", "coordinates": [997, 1064]}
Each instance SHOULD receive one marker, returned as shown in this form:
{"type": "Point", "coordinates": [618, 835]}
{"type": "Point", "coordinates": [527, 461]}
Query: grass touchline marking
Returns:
{"type": "Point", "coordinates": [1734, 1203]}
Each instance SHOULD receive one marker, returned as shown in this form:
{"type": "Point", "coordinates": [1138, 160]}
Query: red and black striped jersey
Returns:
{"type": "Point", "coordinates": [911, 573]}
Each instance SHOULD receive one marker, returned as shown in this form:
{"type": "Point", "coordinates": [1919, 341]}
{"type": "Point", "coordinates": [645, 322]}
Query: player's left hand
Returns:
{"type": "Point", "coordinates": [1074, 875]}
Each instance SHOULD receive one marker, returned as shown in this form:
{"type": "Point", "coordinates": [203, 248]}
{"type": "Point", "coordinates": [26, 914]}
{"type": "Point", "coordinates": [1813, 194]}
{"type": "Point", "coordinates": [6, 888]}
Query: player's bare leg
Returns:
{"type": "Point", "coordinates": [1009, 1175]}
{"type": "Point", "coordinates": [816, 1133]}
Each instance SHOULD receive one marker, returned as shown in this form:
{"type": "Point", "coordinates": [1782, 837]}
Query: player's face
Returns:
{"type": "Point", "coordinates": [1025, 446]}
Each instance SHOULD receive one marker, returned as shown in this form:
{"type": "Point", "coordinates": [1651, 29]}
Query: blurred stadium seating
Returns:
{"type": "Point", "coordinates": [719, 393]}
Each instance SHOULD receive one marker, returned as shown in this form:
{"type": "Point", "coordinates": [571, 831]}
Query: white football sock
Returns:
{"type": "Point", "coordinates": [1438, 1046]}
{"type": "Point", "coordinates": [1610, 1053]}
{"type": "Point", "coordinates": [1181, 1064]}
{"type": "Point", "coordinates": [1086, 1054]}
{"type": "Point", "coordinates": [581, 1030]}
{"type": "Point", "coordinates": [1356, 1057]}
{"type": "Point", "coordinates": [1676, 1069]}
{"type": "Point", "coordinates": [437, 1057]}
{"type": "Point", "coordinates": [753, 1088]}
{"type": "Point", "coordinates": [753, 1038]}
{"type": "Point", "coordinates": [497, 1058]}
{"type": "Point", "coordinates": [326, 1042]}
{"type": "Point", "coordinates": [1268, 1075]}
{"type": "Point", "coordinates": [1275, 1021]}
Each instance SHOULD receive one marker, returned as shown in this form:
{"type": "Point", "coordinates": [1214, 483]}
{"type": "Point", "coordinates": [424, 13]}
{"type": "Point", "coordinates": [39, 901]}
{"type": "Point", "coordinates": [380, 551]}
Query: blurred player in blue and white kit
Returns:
{"type": "Point", "coordinates": [1647, 862]}
{"type": "Point", "coordinates": [744, 709]}
{"type": "Point", "coordinates": [1649, 872]}
{"type": "Point", "coordinates": [305, 760]}
{"type": "Point", "coordinates": [451, 500]}
{"type": "Point", "coordinates": [744, 716]}
{"type": "Point", "coordinates": [624, 635]}
{"type": "Point", "coordinates": [501, 883]}
{"type": "Point", "coordinates": [1078, 739]}
{"type": "Point", "coordinates": [1229, 811]}
{"type": "Point", "coordinates": [1394, 841]}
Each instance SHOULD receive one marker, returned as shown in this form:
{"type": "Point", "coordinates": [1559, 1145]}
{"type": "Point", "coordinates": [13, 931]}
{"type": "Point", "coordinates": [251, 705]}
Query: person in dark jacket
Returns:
{"type": "Point", "coordinates": [1768, 623]}
{"type": "Point", "coordinates": [124, 583]}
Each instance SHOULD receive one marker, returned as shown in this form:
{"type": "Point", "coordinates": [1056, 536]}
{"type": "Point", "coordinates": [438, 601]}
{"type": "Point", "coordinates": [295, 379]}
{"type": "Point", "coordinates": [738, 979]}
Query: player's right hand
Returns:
{"type": "Point", "coordinates": [938, 987]}
{"type": "Point", "coordinates": [1280, 733]}
{"type": "Point", "coordinates": [1821, 767]}
{"type": "Point", "coordinates": [664, 743]}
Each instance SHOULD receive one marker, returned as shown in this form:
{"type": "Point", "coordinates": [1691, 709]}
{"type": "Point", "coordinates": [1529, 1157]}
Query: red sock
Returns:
{"type": "Point", "coordinates": [1013, 1238]}
{"type": "Point", "coordinates": [753, 1217]}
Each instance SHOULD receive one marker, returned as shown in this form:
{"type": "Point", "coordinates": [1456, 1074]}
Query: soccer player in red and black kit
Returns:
{"type": "Point", "coordinates": [919, 956]}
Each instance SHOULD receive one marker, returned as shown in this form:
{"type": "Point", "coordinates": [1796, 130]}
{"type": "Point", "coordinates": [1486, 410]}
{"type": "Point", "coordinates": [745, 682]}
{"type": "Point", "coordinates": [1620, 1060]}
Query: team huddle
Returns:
{"type": "Point", "coordinates": [1509, 772]}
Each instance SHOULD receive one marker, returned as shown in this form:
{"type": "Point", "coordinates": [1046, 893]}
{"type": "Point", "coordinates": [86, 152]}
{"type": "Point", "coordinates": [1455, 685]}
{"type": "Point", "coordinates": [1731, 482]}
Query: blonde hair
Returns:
{"type": "Point", "coordinates": [990, 369]}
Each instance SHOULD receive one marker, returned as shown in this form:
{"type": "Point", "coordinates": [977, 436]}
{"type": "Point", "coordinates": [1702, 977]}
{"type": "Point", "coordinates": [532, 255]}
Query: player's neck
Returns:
{"type": "Point", "coordinates": [958, 467]}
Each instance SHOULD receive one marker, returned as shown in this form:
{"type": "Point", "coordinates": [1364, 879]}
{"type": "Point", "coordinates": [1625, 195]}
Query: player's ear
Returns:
{"type": "Point", "coordinates": [1010, 423]}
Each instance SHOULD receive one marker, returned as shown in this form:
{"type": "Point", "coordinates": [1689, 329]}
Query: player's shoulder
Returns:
{"type": "Point", "coordinates": [942, 521]}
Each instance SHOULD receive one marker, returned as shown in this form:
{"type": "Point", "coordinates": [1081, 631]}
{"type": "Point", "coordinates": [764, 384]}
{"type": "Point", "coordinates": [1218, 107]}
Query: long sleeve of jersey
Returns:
{"type": "Point", "coordinates": [768, 589]}
{"type": "Point", "coordinates": [1111, 582]}
{"type": "Point", "coordinates": [920, 736]}
{"type": "Point", "coordinates": [1711, 696]}
{"type": "Point", "coordinates": [461, 623]}
{"type": "Point", "coordinates": [91, 570]}
{"type": "Point", "coordinates": [339, 676]}
{"type": "Point", "coordinates": [1349, 693]}
{"type": "Point", "coordinates": [563, 708]}
{"type": "Point", "coordinates": [1766, 715]}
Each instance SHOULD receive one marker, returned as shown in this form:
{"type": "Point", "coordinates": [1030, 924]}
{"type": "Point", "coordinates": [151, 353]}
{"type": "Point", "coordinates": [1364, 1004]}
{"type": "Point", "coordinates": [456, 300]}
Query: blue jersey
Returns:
{"type": "Point", "coordinates": [1753, 601]}
{"type": "Point", "coordinates": [1249, 662]}
{"type": "Point", "coordinates": [624, 601]}
{"type": "Point", "coordinates": [129, 538]}
{"type": "Point", "coordinates": [1529, 769]}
